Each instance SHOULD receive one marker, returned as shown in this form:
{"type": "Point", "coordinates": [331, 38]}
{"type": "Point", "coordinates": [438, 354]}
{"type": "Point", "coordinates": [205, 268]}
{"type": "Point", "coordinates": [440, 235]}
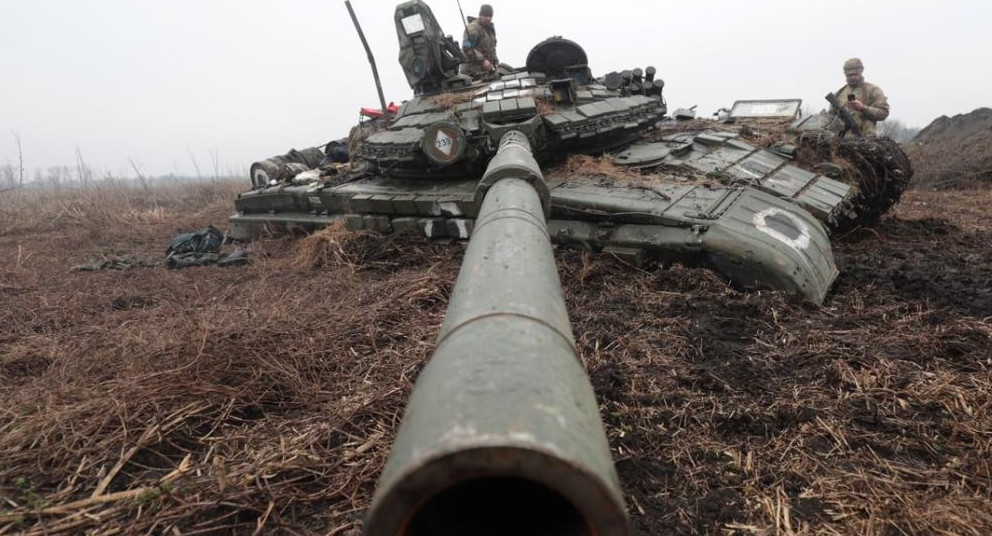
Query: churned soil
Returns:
{"type": "Point", "coordinates": [265, 398]}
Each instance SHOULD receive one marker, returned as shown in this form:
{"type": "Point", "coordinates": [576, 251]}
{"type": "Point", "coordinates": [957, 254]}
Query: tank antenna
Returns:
{"type": "Point", "coordinates": [375, 72]}
{"type": "Point", "coordinates": [462, 13]}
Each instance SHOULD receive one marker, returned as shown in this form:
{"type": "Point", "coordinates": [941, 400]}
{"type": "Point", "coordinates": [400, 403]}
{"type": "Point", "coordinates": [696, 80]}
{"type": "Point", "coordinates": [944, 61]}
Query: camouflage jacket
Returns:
{"type": "Point", "coordinates": [479, 44]}
{"type": "Point", "coordinates": [876, 102]}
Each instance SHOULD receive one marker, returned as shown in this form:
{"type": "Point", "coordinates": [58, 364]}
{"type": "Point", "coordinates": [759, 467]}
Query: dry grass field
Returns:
{"type": "Point", "coordinates": [264, 399]}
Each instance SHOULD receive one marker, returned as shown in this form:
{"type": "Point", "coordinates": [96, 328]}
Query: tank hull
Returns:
{"type": "Point", "coordinates": [754, 239]}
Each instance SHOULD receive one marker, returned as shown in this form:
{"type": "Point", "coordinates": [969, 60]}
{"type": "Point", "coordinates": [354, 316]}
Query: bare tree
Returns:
{"type": "Point", "coordinates": [195, 165]}
{"type": "Point", "coordinates": [83, 173]}
{"type": "Point", "coordinates": [20, 157]}
{"type": "Point", "coordinates": [235, 170]}
{"type": "Point", "coordinates": [215, 158]}
{"type": "Point", "coordinates": [137, 171]}
{"type": "Point", "coordinates": [8, 178]}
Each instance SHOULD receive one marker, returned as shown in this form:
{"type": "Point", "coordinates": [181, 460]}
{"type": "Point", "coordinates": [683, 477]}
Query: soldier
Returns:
{"type": "Point", "coordinates": [866, 102]}
{"type": "Point", "coordinates": [480, 44]}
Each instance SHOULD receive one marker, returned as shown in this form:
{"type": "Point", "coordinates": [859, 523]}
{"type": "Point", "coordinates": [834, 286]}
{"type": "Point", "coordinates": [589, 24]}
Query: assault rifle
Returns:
{"type": "Point", "coordinates": [845, 116]}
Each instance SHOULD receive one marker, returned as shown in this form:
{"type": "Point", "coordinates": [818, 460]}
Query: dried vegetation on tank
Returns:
{"type": "Point", "coordinates": [447, 102]}
{"type": "Point", "coordinates": [265, 398]}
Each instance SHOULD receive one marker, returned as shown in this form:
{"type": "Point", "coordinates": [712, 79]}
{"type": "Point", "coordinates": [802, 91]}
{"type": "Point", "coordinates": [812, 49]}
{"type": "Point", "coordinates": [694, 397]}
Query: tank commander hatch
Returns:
{"type": "Point", "coordinates": [479, 44]}
{"type": "Point", "coordinates": [866, 102]}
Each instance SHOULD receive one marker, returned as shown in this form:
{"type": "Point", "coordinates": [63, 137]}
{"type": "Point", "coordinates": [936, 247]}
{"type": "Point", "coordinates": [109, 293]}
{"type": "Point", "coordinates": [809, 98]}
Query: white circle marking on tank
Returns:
{"type": "Point", "coordinates": [783, 226]}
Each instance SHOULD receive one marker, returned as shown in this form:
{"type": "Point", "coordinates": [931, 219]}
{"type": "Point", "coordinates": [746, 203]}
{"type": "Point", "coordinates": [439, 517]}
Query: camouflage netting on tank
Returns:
{"type": "Point", "coordinates": [577, 165]}
{"type": "Point", "coordinates": [449, 101]}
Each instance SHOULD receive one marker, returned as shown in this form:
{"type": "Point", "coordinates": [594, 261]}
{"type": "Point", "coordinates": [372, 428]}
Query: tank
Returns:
{"type": "Point", "coordinates": [503, 418]}
{"type": "Point", "coordinates": [758, 211]}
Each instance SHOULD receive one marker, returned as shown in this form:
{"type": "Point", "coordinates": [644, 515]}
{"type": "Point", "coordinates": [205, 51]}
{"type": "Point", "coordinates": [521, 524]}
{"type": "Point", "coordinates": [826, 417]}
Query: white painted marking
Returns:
{"type": "Point", "coordinates": [800, 242]}
{"type": "Point", "coordinates": [450, 209]}
{"type": "Point", "coordinates": [462, 228]}
{"type": "Point", "coordinates": [748, 171]}
{"type": "Point", "coordinates": [444, 143]}
{"type": "Point", "coordinates": [429, 228]}
{"type": "Point", "coordinates": [513, 144]}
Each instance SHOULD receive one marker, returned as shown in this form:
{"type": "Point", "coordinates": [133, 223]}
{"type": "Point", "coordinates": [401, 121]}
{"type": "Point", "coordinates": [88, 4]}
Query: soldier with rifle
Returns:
{"type": "Point", "coordinates": [859, 104]}
{"type": "Point", "coordinates": [479, 44]}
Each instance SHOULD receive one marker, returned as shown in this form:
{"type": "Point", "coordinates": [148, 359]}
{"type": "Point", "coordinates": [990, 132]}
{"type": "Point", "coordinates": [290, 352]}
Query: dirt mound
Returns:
{"type": "Point", "coordinates": [954, 152]}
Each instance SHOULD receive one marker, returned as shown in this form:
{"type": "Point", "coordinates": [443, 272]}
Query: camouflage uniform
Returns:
{"type": "Point", "coordinates": [877, 106]}
{"type": "Point", "coordinates": [479, 44]}
{"type": "Point", "coordinates": [876, 102]}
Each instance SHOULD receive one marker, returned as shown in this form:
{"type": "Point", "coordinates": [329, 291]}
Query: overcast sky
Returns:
{"type": "Point", "coordinates": [157, 81]}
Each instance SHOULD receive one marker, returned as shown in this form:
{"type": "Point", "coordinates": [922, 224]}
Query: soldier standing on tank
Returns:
{"type": "Point", "coordinates": [866, 102]}
{"type": "Point", "coordinates": [479, 44]}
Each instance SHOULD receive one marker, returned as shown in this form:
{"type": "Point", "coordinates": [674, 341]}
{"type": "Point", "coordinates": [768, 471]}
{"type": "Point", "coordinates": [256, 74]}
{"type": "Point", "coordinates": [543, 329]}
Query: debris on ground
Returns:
{"type": "Point", "coordinates": [114, 263]}
{"type": "Point", "coordinates": [202, 248]}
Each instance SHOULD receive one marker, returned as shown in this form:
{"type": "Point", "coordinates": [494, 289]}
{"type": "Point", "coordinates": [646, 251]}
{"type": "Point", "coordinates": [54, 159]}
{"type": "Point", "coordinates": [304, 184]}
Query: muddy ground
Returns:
{"type": "Point", "coordinates": [265, 398]}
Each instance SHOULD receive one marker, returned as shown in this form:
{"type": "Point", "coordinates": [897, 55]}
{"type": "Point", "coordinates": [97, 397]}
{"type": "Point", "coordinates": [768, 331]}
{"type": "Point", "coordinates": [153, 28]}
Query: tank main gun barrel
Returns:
{"type": "Point", "coordinates": [502, 433]}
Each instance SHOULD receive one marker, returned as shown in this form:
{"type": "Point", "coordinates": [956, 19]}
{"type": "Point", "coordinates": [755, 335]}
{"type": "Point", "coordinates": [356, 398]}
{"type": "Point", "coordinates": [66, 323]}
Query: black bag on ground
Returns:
{"type": "Point", "coordinates": [208, 240]}
{"type": "Point", "coordinates": [202, 248]}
